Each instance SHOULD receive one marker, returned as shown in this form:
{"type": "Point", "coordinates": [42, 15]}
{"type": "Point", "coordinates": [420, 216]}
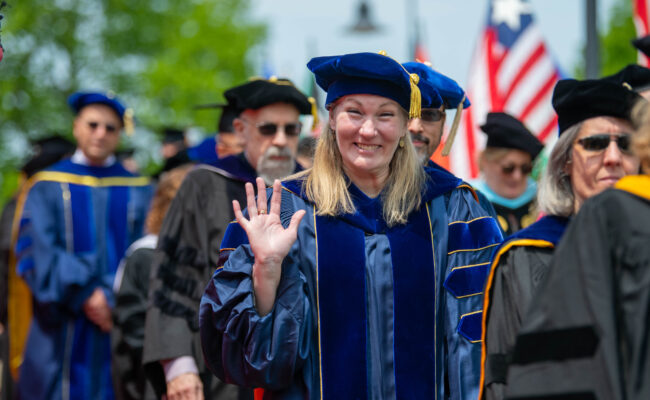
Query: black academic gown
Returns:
{"type": "Point", "coordinates": [127, 336]}
{"type": "Point", "coordinates": [587, 333]}
{"type": "Point", "coordinates": [186, 256]}
{"type": "Point", "coordinates": [518, 267]}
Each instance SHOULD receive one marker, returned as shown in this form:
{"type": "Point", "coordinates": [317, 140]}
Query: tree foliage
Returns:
{"type": "Point", "coordinates": [616, 50]}
{"type": "Point", "coordinates": [161, 57]}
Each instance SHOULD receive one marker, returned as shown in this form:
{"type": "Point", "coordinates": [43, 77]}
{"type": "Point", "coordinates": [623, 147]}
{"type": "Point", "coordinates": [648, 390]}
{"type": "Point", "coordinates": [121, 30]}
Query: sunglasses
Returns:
{"type": "Point", "coordinates": [270, 129]}
{"type": "Point", "coordinates": [431, 114]}
{"type": "Point", "coordinates": [109, 127]}
{"type": "Point", "coordinates": [510, 168]}
{"type": "Point", "coordinates": [601, 141]}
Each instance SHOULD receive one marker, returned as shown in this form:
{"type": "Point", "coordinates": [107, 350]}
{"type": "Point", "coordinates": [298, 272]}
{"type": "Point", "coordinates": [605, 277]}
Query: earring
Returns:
{"type": "Point", "coordinates": [401, 142]}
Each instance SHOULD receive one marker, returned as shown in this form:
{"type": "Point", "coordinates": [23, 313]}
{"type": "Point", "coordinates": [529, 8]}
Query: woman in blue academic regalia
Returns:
{"type": "Point", "coordinates": [361, 278]}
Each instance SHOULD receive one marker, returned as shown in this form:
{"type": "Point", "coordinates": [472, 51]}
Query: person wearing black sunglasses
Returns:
{"type": "Point", "coordinates": [506, 164]}
{"type": "Point", "coordinates": [426, 131]}
{"type": "Point", "coordinates": [595, 297]}
{"type": "Point", "coordinates": [266, 118]}
{"type": "Point", "coordinates": [591, 154]}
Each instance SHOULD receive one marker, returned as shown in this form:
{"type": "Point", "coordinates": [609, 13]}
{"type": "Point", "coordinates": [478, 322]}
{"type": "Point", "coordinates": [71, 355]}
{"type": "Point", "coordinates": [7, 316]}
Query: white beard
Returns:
{"type": "Point", "coordinates": [270, 170]}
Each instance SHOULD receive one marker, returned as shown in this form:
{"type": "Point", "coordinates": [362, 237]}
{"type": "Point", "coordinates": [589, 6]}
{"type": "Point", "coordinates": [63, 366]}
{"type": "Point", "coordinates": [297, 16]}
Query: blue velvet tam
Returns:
{"type": "Point", "coordinates": [367, 73]}
{"type": "Point", "coordinates": [77, 101]}
{"type": "Point", "coordinates": [452, 94]}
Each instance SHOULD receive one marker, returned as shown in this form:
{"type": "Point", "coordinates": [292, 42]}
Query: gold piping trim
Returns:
{"type": "Point", "coordinates": [470, 266]}
{"type": "Point", "coordinates": [471, 189]}
{"type": "Point", "coordinates": [482, 248]}
{"type": "Point", "coordinates": [87, 180]}
{"type": "Point", "coordinates": [435, 304]}
{"type": "Point", "coordinates": [470, 221]}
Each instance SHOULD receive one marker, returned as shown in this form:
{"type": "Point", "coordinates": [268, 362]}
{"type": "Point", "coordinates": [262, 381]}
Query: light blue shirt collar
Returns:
{"type": "Point", "coordinates": [526, 197]}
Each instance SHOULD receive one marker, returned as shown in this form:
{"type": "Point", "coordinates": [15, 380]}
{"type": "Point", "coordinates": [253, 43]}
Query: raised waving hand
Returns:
{"type": "Point", "coordinates": [269, 240]}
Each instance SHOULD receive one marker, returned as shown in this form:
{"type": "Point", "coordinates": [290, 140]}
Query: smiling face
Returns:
{"type": "Point", "coordinates": [368, 129]}
{"type": "Point", "coordinates": [593, 171]}
{"type": "Point", "coordinates": [97, 131]}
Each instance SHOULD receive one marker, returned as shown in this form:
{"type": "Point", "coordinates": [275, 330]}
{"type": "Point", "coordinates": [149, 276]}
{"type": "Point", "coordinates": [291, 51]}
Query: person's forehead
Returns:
{"type": "Point", "coordinates": [275, 111]}
{"type": "Point", "coordinates": [99, 111]}
{"type": "Point", "coordinates": [604, 124]}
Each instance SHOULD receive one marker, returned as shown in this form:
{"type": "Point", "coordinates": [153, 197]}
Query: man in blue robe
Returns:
{"type": "Point", "coordinates": [74, 221]}
{"type": "Point", "coordinates": [427, 130]}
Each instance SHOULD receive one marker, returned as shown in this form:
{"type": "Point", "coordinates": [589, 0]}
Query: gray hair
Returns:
{"type": "Point", "coordinates": [555, 194]}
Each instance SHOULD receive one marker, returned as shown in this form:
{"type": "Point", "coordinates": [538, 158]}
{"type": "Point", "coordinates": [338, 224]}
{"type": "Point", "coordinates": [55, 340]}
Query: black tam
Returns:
{"type": "Point", "coordinates": [504, 130]}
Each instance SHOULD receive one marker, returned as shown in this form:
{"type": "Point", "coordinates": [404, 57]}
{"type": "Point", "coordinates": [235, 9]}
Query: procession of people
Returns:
{"type": "Point", "coordinates": [274, 261]}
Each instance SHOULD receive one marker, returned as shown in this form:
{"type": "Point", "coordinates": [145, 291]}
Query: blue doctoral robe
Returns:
{"type": "Point", "coordinates": [75, 224]}
{"type": "Point", "coordinates": [363, 310]}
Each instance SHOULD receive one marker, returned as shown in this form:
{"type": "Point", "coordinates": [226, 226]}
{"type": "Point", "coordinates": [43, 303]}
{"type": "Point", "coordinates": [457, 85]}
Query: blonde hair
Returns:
{"type": "Point", "coordinates": [327, 187]}
{"type": "Point", "coordinates": [490, 154]}
{"type": "Point", "coordinates": [641, 138]}
{"type": "Point", "coordinates": [169, 184]}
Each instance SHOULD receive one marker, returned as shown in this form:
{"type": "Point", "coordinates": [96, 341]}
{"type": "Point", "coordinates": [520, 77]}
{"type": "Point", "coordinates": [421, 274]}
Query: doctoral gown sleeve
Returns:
{"type": "Point", "coordinates": [515, 277]}
{"type": "Point", "coordinates": [242, 347]}
{"type": "Point", "coordinates": [57, 277]}
{"type": "Point", "coordinates": [568, 341]}
{"type": "Point", "coordinates": [472, 235]}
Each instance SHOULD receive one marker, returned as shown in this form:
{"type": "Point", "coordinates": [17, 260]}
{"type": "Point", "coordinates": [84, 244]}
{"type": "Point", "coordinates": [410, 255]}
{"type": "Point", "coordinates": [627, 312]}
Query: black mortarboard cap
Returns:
{"type": "Point", "coordinates": [636, 76]}
{"type": "Point", "coordinates": [504, 130]}
{"type": "Point", "coordinates": [46, 152]}
{"type": "Point", "coordinates": [258, 93]}
{"type": "Point", "coordinates": [575, 101]}
{"type": "Point", "coordinates": [173, 135]}
{"type": "Point", "coordinates": [643, 44]}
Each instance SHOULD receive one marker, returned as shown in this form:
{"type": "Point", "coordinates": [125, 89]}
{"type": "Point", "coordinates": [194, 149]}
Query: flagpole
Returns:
{"type": "Point", "coordinates": [592, 53]}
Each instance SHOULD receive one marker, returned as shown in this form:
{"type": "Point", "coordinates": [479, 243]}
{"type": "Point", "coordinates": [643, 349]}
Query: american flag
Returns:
{"type": "Point", "coordinates": [513, 72]}
{"type": "Point", "coordinates": [642, 23]}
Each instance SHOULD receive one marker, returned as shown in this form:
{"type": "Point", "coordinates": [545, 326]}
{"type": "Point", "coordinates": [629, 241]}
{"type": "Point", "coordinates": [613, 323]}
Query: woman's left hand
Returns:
{"type": "Point", "coordinates": [269, 240]}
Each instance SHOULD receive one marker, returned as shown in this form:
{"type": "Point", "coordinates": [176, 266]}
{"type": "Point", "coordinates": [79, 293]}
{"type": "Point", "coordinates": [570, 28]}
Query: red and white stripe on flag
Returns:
{"type": "Point", "coordinates": [642, 23]}
{"type": "Point", "coordinates": [512, 72]}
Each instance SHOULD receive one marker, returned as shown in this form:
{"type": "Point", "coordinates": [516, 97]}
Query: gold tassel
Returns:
{"type": "Point", "coordinates": [415, 107]}
{"type": "Point", "coordinates": [416, 97]}
{"type": "Point", "coordinates": [314, 113]}
{"type": "Point", "coordinates": [129, 124]}
{"type": "Point", "coordinates": [454, 128]}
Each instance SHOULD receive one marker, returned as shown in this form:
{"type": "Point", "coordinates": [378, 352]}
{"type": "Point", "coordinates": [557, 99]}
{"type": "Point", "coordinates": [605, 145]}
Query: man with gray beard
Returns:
{"type": "Point", "coordinates": [189, 241]}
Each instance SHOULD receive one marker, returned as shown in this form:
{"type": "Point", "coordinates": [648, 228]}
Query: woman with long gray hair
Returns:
{"type": "Point", "coordinates": [591, 154]}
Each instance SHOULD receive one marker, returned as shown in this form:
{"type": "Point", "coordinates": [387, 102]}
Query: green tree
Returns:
{"type": "Point", "coordinates": [616, 50]}
{"type": "Point", "coordinates": [161, 57]}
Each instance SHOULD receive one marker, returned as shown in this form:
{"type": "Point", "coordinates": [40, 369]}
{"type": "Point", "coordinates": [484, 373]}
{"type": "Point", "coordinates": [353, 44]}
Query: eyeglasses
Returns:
{"type": "Point", "coordinates": [270, 129]}
{"type": "Point", "coordinates": [510, 168]}
{"type": "Point", "coordinates": [109, 127]}
{"type": "Point", "coordinates": [601, 141]}
{"type": "Point", "coordinates": [431, 114]}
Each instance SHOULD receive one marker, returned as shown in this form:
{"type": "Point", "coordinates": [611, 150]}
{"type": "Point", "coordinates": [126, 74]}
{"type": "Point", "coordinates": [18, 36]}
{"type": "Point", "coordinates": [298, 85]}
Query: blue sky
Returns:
{"type": "Point", "coordinates": [299, 30]}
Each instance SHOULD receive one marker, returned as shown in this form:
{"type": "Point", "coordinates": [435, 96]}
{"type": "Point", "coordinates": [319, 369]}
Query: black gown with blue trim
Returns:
{"type": "Point", "coordinates": [363, 310]}
{"type": "Point", "coordinates": [586, 334]}
{"type": "Point", "coordinates": [518, 267]}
